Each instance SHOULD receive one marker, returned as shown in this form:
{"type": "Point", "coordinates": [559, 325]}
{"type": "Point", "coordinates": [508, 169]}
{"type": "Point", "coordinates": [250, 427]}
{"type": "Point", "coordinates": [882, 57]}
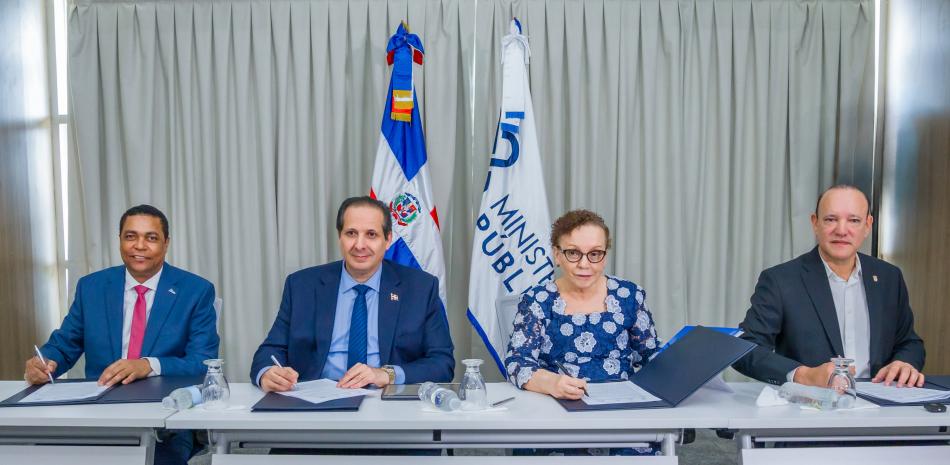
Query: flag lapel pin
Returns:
{"type": "Point", "coordinates": [393, 297]}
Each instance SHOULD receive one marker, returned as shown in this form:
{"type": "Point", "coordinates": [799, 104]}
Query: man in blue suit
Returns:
{"type": "Point", "coordinates": [146, 318]}
{"type": "Point", "coordinates": [833, 301]}
{"type": "Point", "coordinates": [361, 321]}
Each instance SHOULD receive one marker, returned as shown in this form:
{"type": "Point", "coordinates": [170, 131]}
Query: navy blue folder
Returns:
{"type": "Point", "coordinates": [940, 383]}
{"type": "Point", "coordinates": [680, 370]}
{"type": "Point", "coordinates": [144, 390]}
{"type": "Point", "coordinates": [273, 402]}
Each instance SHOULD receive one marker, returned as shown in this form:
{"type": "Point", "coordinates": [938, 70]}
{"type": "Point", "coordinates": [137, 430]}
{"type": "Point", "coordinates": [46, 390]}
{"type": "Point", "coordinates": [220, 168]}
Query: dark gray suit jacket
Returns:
{"type": "Point", "coordinates": [793, 319]}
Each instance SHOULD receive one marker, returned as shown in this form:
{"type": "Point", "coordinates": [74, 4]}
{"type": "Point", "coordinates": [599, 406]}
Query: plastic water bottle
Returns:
{"type": "Point", "coordinates": [182, 398]}
{"type": "Point", "coordinates": [443, 399]}
{"type": "Point", "coordinates": [817, 397]}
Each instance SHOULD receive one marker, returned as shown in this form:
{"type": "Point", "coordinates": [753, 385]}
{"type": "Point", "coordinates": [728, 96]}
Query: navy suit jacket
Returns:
{"type": "Point", "coordinates": [413, 329]}
{"type": "Point", "coordinates": [793, 319]}
{"type": "Point", "coordinates": [181, 329]}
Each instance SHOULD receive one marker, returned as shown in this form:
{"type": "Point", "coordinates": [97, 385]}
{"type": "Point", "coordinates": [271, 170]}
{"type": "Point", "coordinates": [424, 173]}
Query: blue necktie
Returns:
{"type": "Point", "coordinates": [356, 352]}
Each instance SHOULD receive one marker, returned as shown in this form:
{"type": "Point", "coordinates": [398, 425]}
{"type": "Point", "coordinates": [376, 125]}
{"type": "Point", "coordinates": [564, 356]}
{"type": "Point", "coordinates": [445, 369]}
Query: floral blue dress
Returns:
{"type": "Point", "coordinates": [606, 346]}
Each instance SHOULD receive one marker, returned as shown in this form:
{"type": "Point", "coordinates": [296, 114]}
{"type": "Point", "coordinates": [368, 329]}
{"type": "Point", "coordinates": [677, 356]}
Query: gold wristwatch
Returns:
{"type": "Point", "coordinates": [391, 372]}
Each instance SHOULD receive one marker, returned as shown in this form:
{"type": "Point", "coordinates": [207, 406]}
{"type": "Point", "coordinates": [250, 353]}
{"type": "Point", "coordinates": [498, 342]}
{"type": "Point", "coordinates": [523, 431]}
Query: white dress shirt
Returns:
{"type": "Point", "coordinates": [851, 307]}
{"type": "Point", "coordinates": [128, 311]}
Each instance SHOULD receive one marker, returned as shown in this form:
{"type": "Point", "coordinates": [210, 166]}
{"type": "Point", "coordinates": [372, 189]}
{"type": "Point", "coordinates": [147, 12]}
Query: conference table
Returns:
{"type": "Point", "coordinates": [79, 434]}
{"type": "Point", "coordinates": [756, 426]}
{"type": "Point", "coordinates": [530, 421]}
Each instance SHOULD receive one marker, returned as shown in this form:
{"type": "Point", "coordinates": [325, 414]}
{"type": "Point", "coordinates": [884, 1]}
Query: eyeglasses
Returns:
{"type": "Point", "coordinates": [574, 255]}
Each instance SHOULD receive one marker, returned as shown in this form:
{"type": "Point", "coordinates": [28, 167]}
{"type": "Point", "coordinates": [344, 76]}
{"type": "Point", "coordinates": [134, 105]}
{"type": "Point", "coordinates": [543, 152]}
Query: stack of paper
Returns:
{"type": "Point", "coordinates": [623, 392]}
{"type": "Point", "coordinates": [64, 392]}
{"type": "Point", "coordinates": [902, 395]}
{"type": "Point", "coordinates": [322, 390]}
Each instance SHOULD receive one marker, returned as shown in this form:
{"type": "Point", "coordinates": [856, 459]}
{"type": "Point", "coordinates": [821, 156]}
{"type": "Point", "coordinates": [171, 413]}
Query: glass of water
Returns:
{"type": "Point", "coordinates": [473, 392]}
{"type": "Point", "coordinates": [841, 379]}
{"type": "Point", "coordinates": [215, 391]}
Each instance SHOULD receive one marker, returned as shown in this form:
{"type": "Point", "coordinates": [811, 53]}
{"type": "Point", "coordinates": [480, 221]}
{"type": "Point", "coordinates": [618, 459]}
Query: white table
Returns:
{"type": "Point", "coordinates": [117, 425]}
{"type": "Point", "coordinates": [790, 423]}
{"type": "Point", "coordinates": [531, 420]}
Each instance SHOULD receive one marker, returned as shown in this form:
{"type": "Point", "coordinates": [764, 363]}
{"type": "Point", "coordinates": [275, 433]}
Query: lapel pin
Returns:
{"type": "Point", "coordinates": [173, 291]}
{"type": "Point", "coordinates": [874, 277]}
{"type": "Point", "coordinates": [393, 297]}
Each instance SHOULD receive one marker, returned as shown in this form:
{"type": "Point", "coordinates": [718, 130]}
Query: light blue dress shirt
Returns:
{"type": "Point", "coordinates": [335, 366]}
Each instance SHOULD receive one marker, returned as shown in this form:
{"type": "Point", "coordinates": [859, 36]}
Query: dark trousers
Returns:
{"type": "Point", "coordinates": [176, 448]}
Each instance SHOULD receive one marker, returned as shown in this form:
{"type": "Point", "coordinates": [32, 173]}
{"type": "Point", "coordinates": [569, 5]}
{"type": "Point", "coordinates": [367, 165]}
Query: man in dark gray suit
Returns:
{"type": "Point", "coordinates": [833, 302]}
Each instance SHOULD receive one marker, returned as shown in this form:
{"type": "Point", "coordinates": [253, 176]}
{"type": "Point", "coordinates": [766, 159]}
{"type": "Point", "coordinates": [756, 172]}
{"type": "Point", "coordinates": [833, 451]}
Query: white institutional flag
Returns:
{"type": "Point", "coordinates": [511, 248]}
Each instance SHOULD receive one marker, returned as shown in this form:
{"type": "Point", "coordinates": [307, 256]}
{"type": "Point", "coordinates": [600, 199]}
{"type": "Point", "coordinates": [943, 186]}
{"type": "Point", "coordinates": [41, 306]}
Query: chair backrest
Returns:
{"type": "Point", "coordinates": [506, 307]}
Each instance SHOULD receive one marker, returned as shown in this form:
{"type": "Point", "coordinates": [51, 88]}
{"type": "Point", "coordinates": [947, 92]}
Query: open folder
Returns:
{"type": "Point", "coordinates": [273, 402]}
{"type": "Point", "coordinates": [936, 383]}
{"type": "Point", "coordinates": [144, 390]}
{"type": "Point", "coordinates": [677, 372]}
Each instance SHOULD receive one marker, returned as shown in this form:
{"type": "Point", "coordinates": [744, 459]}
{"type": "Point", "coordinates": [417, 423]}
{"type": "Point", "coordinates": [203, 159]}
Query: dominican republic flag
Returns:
{"type": "Point", "coordinates": [510, 251]}
{"type": "Point", "coordinates": [400, 176]}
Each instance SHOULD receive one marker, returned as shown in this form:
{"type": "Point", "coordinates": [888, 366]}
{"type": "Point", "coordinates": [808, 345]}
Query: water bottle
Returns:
{"type": "Point", "coordinates": [215, 390]}
{"type": "Point", "coordinates": [443, 399]}
{"type": "Point", "coordinates": [817, 397]}
{"type": "Point", "coordinates": [473, 393]}
{"type": "Point", "coordinates": [183, 398]}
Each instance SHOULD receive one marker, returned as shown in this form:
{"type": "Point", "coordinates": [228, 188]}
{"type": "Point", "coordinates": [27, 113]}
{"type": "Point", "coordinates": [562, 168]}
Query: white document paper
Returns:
{"type": "Point", "coordinates": [322, 390]}
{"type": "Point", "coordinates": [623, 392]}
{"type": "Point", "coordinates": [63, 392]}
{"type": "Point", "coordinates": [902, 395]}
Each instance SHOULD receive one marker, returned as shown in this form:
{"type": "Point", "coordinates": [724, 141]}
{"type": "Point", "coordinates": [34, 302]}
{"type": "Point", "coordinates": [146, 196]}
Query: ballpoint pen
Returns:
{"type": "Point", "coordinates": [40, 355]}
{"type": "Point", "coordinates": [503, 401]}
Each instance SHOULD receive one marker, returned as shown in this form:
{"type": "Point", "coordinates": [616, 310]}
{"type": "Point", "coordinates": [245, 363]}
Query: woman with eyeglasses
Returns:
{"type": "Point", "coordinates": [583, 326]}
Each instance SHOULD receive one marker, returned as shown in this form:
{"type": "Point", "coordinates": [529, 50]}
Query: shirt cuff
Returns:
{"type": "Point", "coordinates": [400, 375]}
{"type": "Point", "coordinates": [156, 366]}
{"type": "Point", "coordinates": [790, 377]}
{"type": "Point", "coordinates": [257, 380]}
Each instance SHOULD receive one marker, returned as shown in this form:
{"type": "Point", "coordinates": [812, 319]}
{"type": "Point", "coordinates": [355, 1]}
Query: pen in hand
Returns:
{"type": "Point", "coordinates": [43, 360]}
{"type": "Point", "coordinates": [568, 373]}
{"type": "Point", "coordinates": [277, 363]}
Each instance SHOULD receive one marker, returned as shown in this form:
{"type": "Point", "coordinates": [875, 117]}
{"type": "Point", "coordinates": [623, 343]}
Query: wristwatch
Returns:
{"type": "Point", "coordinates": [391, 372]}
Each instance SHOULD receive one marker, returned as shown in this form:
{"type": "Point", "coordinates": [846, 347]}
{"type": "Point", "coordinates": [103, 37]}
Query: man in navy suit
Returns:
{"type": "Point", "coordinates": [361, 321]}
{"type": "Point", "coordinates": [833, 301]}
{"type": "Point", "coordinates": [146, 318]}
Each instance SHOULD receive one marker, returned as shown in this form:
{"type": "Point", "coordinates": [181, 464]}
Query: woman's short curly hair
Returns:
{"type": "Point", "coordinates": [574, 219]}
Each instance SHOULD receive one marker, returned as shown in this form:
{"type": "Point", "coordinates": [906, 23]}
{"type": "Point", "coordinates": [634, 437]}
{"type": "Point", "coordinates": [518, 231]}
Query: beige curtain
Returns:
{"type": "Point", "coordinates": [702, 130]}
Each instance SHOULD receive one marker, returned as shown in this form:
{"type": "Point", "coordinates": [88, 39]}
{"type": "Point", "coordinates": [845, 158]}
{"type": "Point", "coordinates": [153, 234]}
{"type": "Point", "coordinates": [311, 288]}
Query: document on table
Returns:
{"type": "Point", "coordinates": [322, 390]}
{"type": "Point", "coordinates": [901, 395]}
{"type": "Point", "coordinates": [623, 392]}
{"type": "Point", "coordinates": [65, 392]}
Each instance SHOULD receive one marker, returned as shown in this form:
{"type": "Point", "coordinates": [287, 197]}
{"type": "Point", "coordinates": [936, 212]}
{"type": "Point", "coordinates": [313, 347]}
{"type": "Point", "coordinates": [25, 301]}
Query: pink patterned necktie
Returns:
{"type": "Point", "coordinates": [138, 325]}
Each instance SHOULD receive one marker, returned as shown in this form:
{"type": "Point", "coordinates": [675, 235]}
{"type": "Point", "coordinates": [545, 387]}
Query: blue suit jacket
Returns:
{"type": "Point", "coordinates": [793, 319]}
{"type": "Point", "coordinates": [180, 331]}
{"type": "Point", "coordinates": [413, 330]}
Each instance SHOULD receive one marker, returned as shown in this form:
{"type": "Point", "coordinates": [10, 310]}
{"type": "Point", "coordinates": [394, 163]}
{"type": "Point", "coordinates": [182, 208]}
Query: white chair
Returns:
{"type": "Point", "coordinates": [506, 307]}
